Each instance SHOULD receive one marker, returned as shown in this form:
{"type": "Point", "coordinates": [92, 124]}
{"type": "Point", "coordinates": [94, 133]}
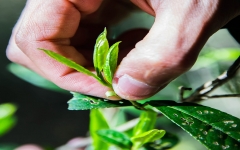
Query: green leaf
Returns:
{"type": "Point", "coordinates": [7, 109]}
{"type": "Point", "coordinates": [33, 78]}
{"type": "Point", "coordinates": [100, 52]}
{"type": "Point", "coordinates": [97, 122]}
{"type": "Point", "coordinates": [146, 137]}
{"type": "Point", "coordinates": [146, 122]}
{"type": "Point", "coordinates": [71, 64]}
{"type": "Point", "coordinates": [7, 120]}
{"type": "Point", "coordinates": [6, 124]}
{"type": "Point", "coordinates": [84, 102]}
{"type": "Point", "coordinates": [116, 138]}
{"type": "Point", "coordinates": [213, 128]}
{"type": "Point", "coordinates": [111, 62]}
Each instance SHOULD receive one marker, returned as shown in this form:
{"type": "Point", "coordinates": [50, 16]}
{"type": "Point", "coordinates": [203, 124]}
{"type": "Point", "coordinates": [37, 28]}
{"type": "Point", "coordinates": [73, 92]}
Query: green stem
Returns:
{"type": "Point", "coordinates": [138, 105]}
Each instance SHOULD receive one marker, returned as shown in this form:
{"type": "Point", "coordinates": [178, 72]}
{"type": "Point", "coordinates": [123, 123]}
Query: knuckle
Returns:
{"type": "Point", "coordinates": [23, 36]}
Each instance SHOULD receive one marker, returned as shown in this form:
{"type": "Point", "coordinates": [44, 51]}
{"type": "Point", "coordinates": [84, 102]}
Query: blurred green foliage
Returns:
{"type": "Point", "coordinates": [7, 118]}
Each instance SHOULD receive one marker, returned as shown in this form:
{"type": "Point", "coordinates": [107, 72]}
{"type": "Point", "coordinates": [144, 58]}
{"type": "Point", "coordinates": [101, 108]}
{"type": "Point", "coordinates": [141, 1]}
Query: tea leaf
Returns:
{"type": "Point", "coordinates": [116, 138]}
{"type": "Point", "coordinates": [84, 102]}
{"type": "Point", "coordinates": [111, 62]}
{"type": "Point", "coordinates": [146, 122]}
{"type": "Point", "coordinates": [100, 52]}
{"type": "Point", "coordinates": [97, 122]}
{"type": "Point", "coordinates": [146, 137]}
{"type": "Point", "coordinates": [71, 64]}
{"type": "Point", "coordinates": [213, 128]}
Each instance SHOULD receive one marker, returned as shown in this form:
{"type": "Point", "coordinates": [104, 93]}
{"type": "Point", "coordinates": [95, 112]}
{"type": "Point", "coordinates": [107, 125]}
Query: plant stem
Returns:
{"type": "Point", "coordinates": [220, 96]}
{"type": "Point", "coordinates": [138, 105]}
{"type": "Point", "coordinates": [201, 92]}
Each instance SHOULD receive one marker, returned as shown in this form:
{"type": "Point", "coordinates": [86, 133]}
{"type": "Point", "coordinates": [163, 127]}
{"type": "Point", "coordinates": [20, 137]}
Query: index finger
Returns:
{"type": "Point", "coordinates": [50, 25]}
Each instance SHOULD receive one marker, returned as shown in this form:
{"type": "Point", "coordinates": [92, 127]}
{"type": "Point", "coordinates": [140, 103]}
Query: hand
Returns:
{"type": "Point", "coordinates": [172, 45]}
{"type": "Point", "coordinates": [66, 27]}
{"type": "Point", "coordinates": [170, 48]}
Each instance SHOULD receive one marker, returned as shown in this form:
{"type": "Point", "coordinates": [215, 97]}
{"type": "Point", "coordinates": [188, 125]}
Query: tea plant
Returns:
{"type": "Point", "coordinates": [213, 128]}
{"type": "Point", "coordinates": [104, 60]}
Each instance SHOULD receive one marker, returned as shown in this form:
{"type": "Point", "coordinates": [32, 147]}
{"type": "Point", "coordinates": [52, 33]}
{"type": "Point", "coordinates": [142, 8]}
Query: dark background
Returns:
{"type": "Point", "coordinates": [42, 115]}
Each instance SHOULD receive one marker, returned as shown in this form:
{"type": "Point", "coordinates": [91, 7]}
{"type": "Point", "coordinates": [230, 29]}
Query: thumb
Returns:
{"type": "Point", "coordinates": [168, 50]}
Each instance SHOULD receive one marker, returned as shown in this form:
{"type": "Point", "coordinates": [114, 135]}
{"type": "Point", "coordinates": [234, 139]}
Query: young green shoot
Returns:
{"type": "Point", "coordinates": [104, 60]}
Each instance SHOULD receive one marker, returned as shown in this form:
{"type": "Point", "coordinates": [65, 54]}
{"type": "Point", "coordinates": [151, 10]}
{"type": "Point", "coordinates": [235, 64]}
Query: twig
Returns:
{"type": "Point", "coordinates": [220, 96]}
{"type": "Point", "coordinates": [201, 92]}
{"type": "Point", "coordinates": [181, 92]}
{"type": "Point", "coordinates": [138, 105]}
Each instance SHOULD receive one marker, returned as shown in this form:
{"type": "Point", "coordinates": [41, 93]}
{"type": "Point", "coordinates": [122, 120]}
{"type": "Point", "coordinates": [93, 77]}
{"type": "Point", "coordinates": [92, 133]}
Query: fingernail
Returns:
{"type": "Point", "coordinates": [130, 87]}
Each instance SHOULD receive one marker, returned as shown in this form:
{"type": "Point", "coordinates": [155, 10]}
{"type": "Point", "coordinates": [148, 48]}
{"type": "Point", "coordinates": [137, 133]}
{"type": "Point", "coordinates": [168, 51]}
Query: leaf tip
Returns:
{"type": "Point", "coordinates": [104, 33]}
{"type": "Point", "coordinates": [44, 50]}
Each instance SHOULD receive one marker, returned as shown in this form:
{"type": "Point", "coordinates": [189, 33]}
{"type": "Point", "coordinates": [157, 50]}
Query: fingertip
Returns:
{"type": "Point", "coordinates": [129, 88]}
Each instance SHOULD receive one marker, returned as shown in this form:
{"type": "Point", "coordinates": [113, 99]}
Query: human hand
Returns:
{"type": "Point", "coordinates": [172, 45]}
{"type": "Point", "coordinates": [170, 48]}
{"type": "Point", "coordinates": [54, 25]}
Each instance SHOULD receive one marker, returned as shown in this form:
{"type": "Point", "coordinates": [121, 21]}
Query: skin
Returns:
{"type": "Point", "coordinates": [170, 48]}
{"type": "Point", "coordinates": [29, 147]}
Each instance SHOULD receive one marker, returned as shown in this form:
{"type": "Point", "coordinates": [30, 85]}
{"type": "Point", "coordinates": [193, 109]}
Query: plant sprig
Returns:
{"type": "Point", "coordinates": [104, 60]}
